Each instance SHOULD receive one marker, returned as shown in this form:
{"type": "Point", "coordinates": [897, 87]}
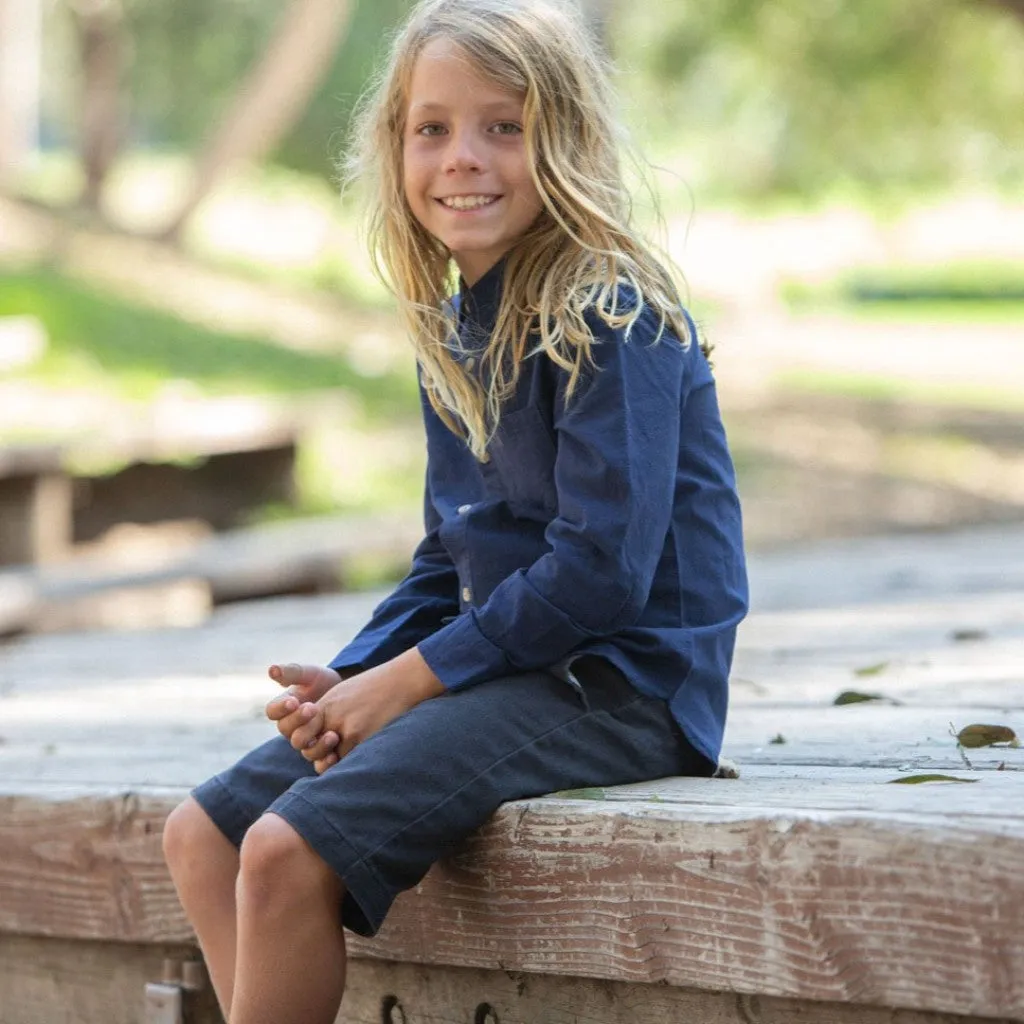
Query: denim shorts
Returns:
{"type": "Point", "coordinates": [410, 794]}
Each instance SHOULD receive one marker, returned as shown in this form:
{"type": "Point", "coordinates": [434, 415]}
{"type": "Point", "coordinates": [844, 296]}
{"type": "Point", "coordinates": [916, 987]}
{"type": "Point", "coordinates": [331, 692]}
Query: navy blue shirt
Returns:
{"type": "Point", "coordinates": [608, 525]}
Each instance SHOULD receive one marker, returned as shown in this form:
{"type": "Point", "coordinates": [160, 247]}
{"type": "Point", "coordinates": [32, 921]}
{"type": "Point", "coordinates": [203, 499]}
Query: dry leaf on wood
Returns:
{"type": "Point", "coordinates": [987, 736]}
{"type": "Point", "coordinates": [871, 670]}
{"type": "Point", "coordinates": [913, 780]}
{"type": "Point", "coordinates": [857, 697]}
{"type": "Point", "coordinates": [967, 635]}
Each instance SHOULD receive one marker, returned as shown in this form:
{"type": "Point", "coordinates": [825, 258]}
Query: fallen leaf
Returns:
{"type": "Point", "coordinates": [961, 636]}
{"type": "Point", "coordinates": [913, 780]}
{"type": "Point", "coordinates": [588, 793]}
{"type": "Point", "coordinates": [778, 739]}
{"type": "Point", "coordinates": [857, 697]}
{"type": "Point", "coordinates": [986, 736]}
{"type": "Point", "coordinates": [871, 670]}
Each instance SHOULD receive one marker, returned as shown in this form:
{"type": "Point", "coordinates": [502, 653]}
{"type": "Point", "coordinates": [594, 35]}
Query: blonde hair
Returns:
{"type": "Point", "coordinates": [577, 255]}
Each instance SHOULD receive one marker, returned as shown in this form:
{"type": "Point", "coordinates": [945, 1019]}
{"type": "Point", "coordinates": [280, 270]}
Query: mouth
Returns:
{"type": "Point", "coordinates": [467, 203]}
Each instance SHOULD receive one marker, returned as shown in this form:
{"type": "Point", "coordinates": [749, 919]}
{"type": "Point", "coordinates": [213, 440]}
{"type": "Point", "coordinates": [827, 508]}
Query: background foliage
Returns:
{"type": "Point", "coordinates": [742, 97]}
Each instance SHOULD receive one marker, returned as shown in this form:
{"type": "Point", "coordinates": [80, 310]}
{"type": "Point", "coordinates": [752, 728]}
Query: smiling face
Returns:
{"type": "Point", "coordinates": [465, 169]}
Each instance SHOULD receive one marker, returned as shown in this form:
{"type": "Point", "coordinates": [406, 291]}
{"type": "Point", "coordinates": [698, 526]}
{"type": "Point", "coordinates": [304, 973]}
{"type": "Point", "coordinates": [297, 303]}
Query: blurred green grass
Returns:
{"type": "Point", "coordinates": [977, 291]}
{"type": "Point", "coordinates": [96, 340]}
{"type": "Point", "coordinates": [874, 387]}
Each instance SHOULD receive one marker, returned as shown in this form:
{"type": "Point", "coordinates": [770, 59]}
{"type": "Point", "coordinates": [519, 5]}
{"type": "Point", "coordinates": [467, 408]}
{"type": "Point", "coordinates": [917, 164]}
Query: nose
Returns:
{"type": "Point", "coordinates": [462, 153]}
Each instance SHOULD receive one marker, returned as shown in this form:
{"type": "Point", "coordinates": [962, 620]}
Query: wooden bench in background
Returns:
{"type": "Point", "coordinates": [50, 501]}
{"type": "Point", "coordinates": [811, 889]}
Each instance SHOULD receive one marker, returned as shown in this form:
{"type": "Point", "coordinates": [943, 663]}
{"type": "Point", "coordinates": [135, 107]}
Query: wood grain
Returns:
{"type": "Point", "coordinates": [874, 908]}
{"type": "Point", "coordinates": [51, 981]}
{"type": "Point", "coordinates": [810, 878]}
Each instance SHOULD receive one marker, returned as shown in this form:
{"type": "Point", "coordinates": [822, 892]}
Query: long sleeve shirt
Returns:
{"type": "Point", "coordinates": [607, 524]}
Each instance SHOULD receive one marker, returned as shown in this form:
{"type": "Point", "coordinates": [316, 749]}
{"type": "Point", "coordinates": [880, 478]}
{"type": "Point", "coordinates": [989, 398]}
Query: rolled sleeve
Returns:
{"type": "Point", "coordinates": [615, 476]}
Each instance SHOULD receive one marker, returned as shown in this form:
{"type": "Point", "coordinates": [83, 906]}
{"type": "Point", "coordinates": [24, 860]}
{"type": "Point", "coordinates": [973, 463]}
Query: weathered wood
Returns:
{"type": "Point", "coordinates": [177, 588]}
{"type": "Point", "coordinates": [452, 995]}
{"type": "Point", "coordinates": [881, 569]}
{"type": "Point", "coordinates": [49, 501]}
{"type": "Point", "coordinates": [165, 708]}
{"type": "Point", "coordinates": [900, 907]}
{"type": "Point", "coordinates": [221, 489]}
{"type": "Point", "coordinates": [52, 981]}
{"type": "Point", "coordinates": [35, 513]}
{"type": "Point", "coordinates": [796, 881]}
{"type": "Point", "coordinates": [19, 601]}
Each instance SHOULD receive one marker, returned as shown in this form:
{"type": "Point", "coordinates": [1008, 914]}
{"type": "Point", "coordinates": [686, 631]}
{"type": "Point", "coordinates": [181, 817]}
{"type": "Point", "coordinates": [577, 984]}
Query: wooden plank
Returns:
{"type": "Point", "coordinates": [221, 489]}
{"type": "Point", "coordinates": [168, 707]}
{"type": "Point", "coordinates": [175, 588]}
{"type": "Point", "coordinates": [868, 734]}
{"type": "Point", "coordinates": [52, 981]}
{"type": "Point", "coordinates": [19, 601]}
{"type": "Point", "coordinates": [35, 510]}
{"type": "Point", "coordinates": [412, 994]}
{"type": "Point", "coordinates": [893, 908]}
{"type": "Point", "coordinates": [888, 568]}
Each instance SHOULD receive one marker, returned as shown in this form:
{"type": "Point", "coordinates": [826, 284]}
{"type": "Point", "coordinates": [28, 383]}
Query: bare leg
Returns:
{"type": "Point", "coordinates": [204, 867]}
{"type": "Point", "coordinates": [291, 949]}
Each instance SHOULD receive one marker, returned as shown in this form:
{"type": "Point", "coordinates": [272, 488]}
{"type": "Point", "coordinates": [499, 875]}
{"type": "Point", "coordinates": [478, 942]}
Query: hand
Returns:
{"type": "Point", "coordinates": [306, 685]}
{"type": "Point", "coordinates": [352, 712]}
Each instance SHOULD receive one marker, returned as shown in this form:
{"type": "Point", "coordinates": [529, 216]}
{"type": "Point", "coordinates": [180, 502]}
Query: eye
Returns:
{"type": "Point", "coordinates": [430, 130]}
{"type": "Point", "coordinates": [507, 128]}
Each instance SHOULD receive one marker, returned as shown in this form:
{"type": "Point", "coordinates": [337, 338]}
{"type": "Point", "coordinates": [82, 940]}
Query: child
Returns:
{"type": "Point", "coordinates": [570, 614]}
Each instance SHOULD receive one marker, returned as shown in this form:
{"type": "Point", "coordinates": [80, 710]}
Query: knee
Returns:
{"type": "Point", "coordinates": [276, 859]}
{"type": "Point", "coordinates": [188, 836]}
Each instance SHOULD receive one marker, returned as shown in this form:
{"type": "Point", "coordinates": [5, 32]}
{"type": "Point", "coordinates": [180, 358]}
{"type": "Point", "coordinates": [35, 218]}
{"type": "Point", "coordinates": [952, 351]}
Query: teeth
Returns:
{"type": "Point", "coordinates": [468, 202]}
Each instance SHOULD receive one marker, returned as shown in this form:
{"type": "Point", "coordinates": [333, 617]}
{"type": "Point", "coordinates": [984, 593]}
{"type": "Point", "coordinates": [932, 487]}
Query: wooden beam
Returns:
{"type": "Point", "coordinates": [41, 980]}
{"type": "Point", "coordinates": [46, 981]}
{"type": "Point", "coordinates": [846, 906]}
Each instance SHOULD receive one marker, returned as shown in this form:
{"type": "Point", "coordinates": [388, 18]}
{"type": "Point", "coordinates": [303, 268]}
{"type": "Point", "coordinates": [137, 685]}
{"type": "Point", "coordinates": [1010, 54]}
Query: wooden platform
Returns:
{"type": "Point", "coordinates": [811, 889]}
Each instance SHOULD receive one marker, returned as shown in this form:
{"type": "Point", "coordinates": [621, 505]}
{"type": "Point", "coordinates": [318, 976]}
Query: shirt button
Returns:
{"type": "Point", "coordinates": [467, 594]}
{"type": "Point", "coordinates": [464, 509]}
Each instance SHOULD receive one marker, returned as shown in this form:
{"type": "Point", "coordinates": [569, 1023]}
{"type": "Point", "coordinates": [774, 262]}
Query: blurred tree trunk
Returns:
{"type": "Point", "coordinates": [272, 98]}
{"type": "Point", "coordinates": [99, 25]}
{"type": "Point", "coordinates": [20, 49]}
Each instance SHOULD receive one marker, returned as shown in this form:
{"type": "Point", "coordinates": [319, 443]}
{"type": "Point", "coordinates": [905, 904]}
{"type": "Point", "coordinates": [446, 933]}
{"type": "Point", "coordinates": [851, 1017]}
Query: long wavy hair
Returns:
{"type": "Point", "coordinates": [581, 250]}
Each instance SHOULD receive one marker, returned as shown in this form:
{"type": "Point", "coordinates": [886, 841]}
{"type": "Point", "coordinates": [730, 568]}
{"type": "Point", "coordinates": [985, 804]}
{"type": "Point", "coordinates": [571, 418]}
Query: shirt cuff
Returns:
{"type": "Point", "coordinates": [460, 655]}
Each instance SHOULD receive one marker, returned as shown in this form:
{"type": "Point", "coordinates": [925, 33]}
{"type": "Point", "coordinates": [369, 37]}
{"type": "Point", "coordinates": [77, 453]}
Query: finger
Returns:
{"type": "Point", "coordinates": [282, 706]}
{"type": "Point", "coordinates": [322, 746]}
{"type": "Point", "coordinates": [325, 762]}
{"type": "Point", "coordinates": [290, 722]}
{"type": "Point", "coordinates": [303, 676]}
{"type": "Point", "coordinates": [346, 746]}
{"type": "Point", "coordinates": [310, 727]}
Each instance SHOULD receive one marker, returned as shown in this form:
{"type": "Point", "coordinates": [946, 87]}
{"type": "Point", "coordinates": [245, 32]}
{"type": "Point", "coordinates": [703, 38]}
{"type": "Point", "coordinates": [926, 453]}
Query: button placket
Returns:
{"type": "Point", "coordinates": [467, 591]}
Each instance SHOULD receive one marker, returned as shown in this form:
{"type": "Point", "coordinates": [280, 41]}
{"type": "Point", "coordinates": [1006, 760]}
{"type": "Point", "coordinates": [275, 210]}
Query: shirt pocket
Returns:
{"type": "Point", "coordinates": [523, 453]}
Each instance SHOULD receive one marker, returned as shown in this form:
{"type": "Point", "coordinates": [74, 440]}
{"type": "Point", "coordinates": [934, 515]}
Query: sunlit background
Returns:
{"type": "Point", "coordinates": [193, 348]}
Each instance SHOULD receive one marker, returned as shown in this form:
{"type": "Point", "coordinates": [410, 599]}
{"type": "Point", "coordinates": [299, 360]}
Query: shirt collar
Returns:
{"type": "Point", "coordinates": [478, 305]}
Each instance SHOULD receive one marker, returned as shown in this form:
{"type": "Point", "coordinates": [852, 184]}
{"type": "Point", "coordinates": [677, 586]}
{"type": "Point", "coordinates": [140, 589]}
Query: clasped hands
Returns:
{"type": "Point", "coordinates": [324, 716]}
